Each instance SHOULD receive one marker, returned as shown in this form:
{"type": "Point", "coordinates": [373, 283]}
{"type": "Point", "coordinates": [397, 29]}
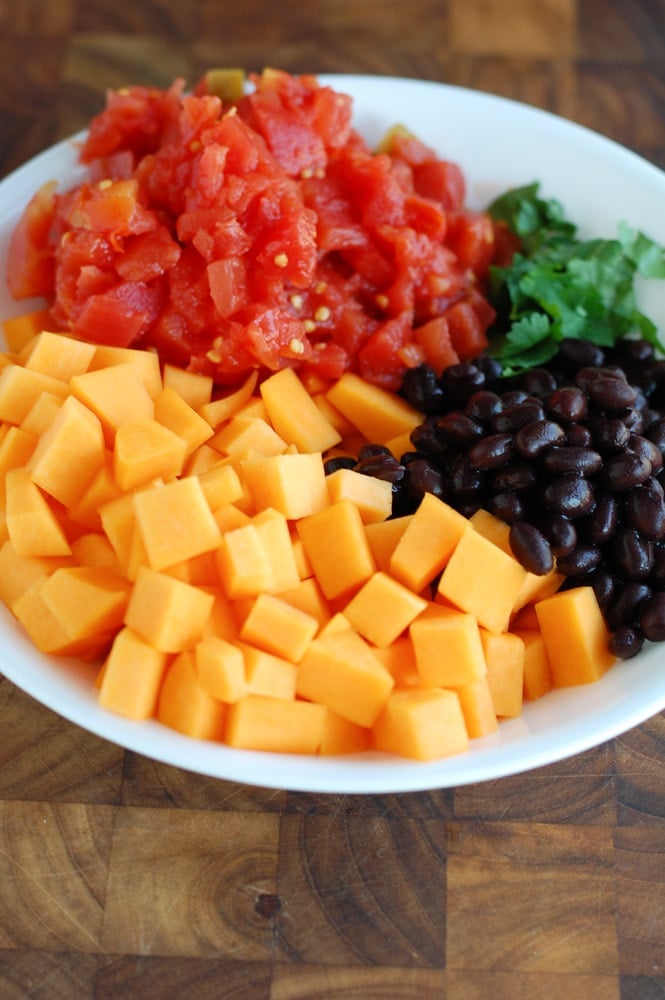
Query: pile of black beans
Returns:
{"type": "Point", "coordinates": [569, 455]}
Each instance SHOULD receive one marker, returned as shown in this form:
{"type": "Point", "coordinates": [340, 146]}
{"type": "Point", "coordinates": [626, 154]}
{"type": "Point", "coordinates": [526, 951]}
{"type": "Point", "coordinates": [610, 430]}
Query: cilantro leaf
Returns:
{"type": "Point", "coordinates": [559, 286]}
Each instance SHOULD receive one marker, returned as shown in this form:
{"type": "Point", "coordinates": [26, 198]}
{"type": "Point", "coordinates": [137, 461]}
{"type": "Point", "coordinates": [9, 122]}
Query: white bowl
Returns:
{"type": "Point", "coordinates": [499, 144]}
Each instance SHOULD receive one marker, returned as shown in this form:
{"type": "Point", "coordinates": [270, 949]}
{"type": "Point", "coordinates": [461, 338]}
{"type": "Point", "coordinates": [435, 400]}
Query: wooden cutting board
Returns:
{"type": "Point", "coordinates": [120, 877]}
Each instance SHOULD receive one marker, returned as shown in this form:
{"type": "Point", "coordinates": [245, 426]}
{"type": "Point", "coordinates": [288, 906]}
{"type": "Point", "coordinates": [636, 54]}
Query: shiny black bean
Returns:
{"type": "Point", "coordinates": [633, 419]}
{"type": "Point", "coordinates": [531, 548]}
{"type": "Point", "coordinates": [338, 462]}
{"type": "Point", "coordinates": [609, 393]}
{"type": "Point", "coordinates": [568, 458]}
{"type": "Point", "coordinates": [464, 480]}
{"type": "Point", "coordinates": [644, 510]}
{"type": "Point", "coordinates": [632, 555]}
{"type": "Point", "coordinates": [510, 397]}
{"type": "Point", "coordinates": [567, 405]}
{"type": "Point", "coordinates": [610, 435]}
{"type": "Point", "coordinates": [515, 476]}
{"type": "Point", "coordinates": [535, 438]}
{"type": "Point", "coordinates": [483, 406]}
{"type": "Point", "coordinates": [575, 354]}
{"type": "Point", "coordinates": [657, 575]}
{"type": "Point", "coordinates": [420, 477]}
{"type": "Point", "coordinates": [490, 368]}
{"type": "Point", "coordinates": [578, 436]}
{"type": "Point", "coordinates": [599, 526]}
{"type": "Point", "coordinates": [656, 433]}
{"type": "Point", "coordinates": [381, 466]}
{"type": "Point", "coordinates": [589, 374]}
{"type": "Point", "coordinates": [428, 440]}
{"type": "Point", "coordinates": [582, 560]}
{"type": "Point", "coordinates": [517, 415]}
{"type": "Point", "coordinates": [561, 533]}
{"type": "Point", "coordinates": [508, 505]}
{"type": "Point", "coordinates": [491, 452]}
{"type": "Point", "coordinates": [624, 471]}
{"type": "Point", "coordinates": [459, 429]}
{"type": "Point", "coordinates": [538, 381]}
{"type": "Point", "coordinates": [605, 586]}
{"type": "Point", "coordinates": [421, 388]}
{"type": "Point", "coordinates": [652, 617]}
{"type": "Point", "coordinates": [647, 449]}
{"type": "Point", "coordinates": [624, 609]}
{"type": "Point", "coordinates": [460, 381]}
{"type": "Point", "coordinates": [626, 642]}
{"type": "Point", "coordinates": [372, 451]}
{"type": "Point", "coordinates": [570, 495]}
{"type": "Point", "coordinates": [635, 351]}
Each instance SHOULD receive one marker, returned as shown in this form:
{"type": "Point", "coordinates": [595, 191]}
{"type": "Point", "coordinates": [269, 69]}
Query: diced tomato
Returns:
{"type": "Point", "coordinates": [441, 181]}
{"type": "Point", "coordinates": [471, 236]}
{"type": "Point", "coordinates": [120, 315]}
{"type": "Point", "coordinates": [148, 255]}
{"type": "Point", "coordinates": [467, 332]}
{"type": "Point", "coordinates": [435, 342]}
{"type": "Point", "coordinates": [30, 264]}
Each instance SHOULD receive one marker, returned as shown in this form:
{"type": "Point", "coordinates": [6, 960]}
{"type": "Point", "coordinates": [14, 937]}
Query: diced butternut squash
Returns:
{"type": "Point", "coordinates": [260, 723]}
{"type": "Point", "coordinates": [173, 412]}
{"type": "Point", "coordinates": [378, 415]}
{"type": "Point", "coordinates": [32, 526]}
{"type": "Point", "coordinates": [116, 395]}
{"type": "Point", "coordinates": [537, 674]}
{"type": "Point", "coordinates": [20, 330]}
{"type": "Point", "coordinates": [244, 565]}
{"type": "Point", "coordinates": [47, 632]}
{"type": "Point", "coordinates": [278, 627]}
{"type": "Point", "coordinates": [293, 484]}
{"type": "Point", "coordinates": [42, 413]}
{"type": "Point", "coordinates": [59, 356]}
{"type": "Point", "coordinates": [308, 596]}
{"type": "Point", "coordinates": [575, 636]}
{"type": "Point", "coordinates": [94, 549]}
{"type": "Point", "coordinates": [16, 447]}
{"type": "Point", "coordinates": [427, 543]}
{"type": "Point", "coordinates": [267, 674]}
{"type": "Point", "coordinates": [132, 676]}
{"type": "Point", "coordinates": [399, 658]}
{"type": "Point", "coordinates": [341, 671]}
{"type": "Point", "coordinates": [145, 450]}
{"type": "Point", "coordinates": [195, 389]}
{"type": "Point", "coordinates": [336, 546]}
{"type": "Point", "coordinates": [219, 410]}
{"type": "Point", "coordinates": [245, 434]}
{"type": "Point", "coordinates": [220, 668]}
{"type": "Point", "coordinates": [383, 608]}
{"type": "Point", "coordinates": [422, 723]}
{"type": "Point", "coordinates": [69, 454]}
{"type": "Point", "coordinates": [383, 537]}
{"type": "Point", "coordinates": [478, 708]}
{"type": "Point", "coordinates": [504, 656]}
{"type": "Point", "coordinates": [20, 389]}
{"type": "Point", "coordinates": [220, 484]}
{"type": "Point", "coordinates": [146, 364]}
{"type": "Point", "coordinates": [175, 522]}
{"type": "Point", "coordinates": [169, 614]}
{"type": "Point", "coordinates": [294, 414]}
{"type": "Point", "coordinates": [373, 497]}
{"type": "Point", "coordinates": [447, 646]}
{"type": "Point", "coordinates": [274, 535]}
{"type": "Point", "coordinates": [18, 572]}
{"type": "Point", "coordinates": [343, 737]}
{"type": "Point", "coordinates": [99, 492]}
{"type": "Point", "coordinates": [482, 579]}
{"type": "Point", "coordinates": [185, 705]}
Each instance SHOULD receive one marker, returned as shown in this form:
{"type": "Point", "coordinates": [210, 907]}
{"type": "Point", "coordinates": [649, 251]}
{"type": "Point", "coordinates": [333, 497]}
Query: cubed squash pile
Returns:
{"type": "Point", "coordinates": [191, 545]}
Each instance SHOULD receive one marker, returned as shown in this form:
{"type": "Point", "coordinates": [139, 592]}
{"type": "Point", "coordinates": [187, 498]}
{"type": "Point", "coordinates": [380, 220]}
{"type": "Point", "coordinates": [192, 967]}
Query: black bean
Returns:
{"type": "Point", "coordinates": [491, 452]}
{"type": "Point", "coordinates": [338, 462]}
{"type": "Point", "coordinates": [459, 429]}
{"type": "Point", "coordinates": [568, 458]}
{"type": "Point", "coordinates": [626, 642]}
{"type": "Point", "coordinates": [567, 405]}
{"type": "Point", "coordinates": [429, 440]}
{"type": "Point", "coordinates": [599, 526]}
{"type": "Point", "coordinates": [605, 586]}
{"type": "Point", "coordinates": [624, 609]}
{"type": "Point", "coordinates": [483, 406]}
{"type": "Point", "coordinates": [578, 436]}
{"type": "Point", "coordinates": [460, 381]}
{"type": "Point", "coordinates": [652, 617]}
{"type": "Point", "coordinates": [610, 435]}
{"type": "Point", "coordinates": [512, 396]}
{"type": "Point", "coordinates": [421, 477]}
{"type": "Point", "coordinates": [575, 354]}
{"type": "Point", "coordinates": [609, 393]}
{"type": "Point", "coordinates": [518, 475]}
{"type": "Point", "coordinates": [535, 438]}
{"type": "Point", "coordinates": [634, 351]}
{"type": "Point", "coordinates": [531, 548]}
{"type": "Point", "coordinates": [372, 450]}
{"type": "Point", "coordinates": [381, 466]}
{"type": "Point", "coordinates": [421, 388]}
{"type": "Point", "coordinates": [624, 471]}
{"type": "Point", "coordinates": [587, 375]}
{"type": "Point", "coordinates": [633, 419]}
{"type": "Point", "coordinates": [570, 495]}
{"type": "Point", "coordinates": [538, 381]}
{"type": "Point", "coordinates": [561, 533]}
{"type": "Point", "coordinates": [516, 415]}
{"type": "Point", "coordinates": [647, 449]}
{"type": "Point", "coordinates": [464, 480]}
{"type": "Point", "coordinates": [656, 433]}
{"type": "Point", "coordinates": [490, 368]}
{"type": "Point", "coordinates": [632, 555]}
{"type": "Point", "coordinates": [644, 509]}
{"type": "Point", "coordinates": [582, 560]}
{"type": "Point", "coordinates": [508, 505]}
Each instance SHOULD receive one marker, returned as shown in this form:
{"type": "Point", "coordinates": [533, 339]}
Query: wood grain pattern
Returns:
{"type": "Point", "coordinates": [122, 877]}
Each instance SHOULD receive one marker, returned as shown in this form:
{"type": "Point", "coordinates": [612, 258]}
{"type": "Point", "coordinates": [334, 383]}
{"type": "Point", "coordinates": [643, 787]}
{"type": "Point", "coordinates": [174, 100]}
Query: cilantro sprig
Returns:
{"type": "Point", "coordinates": [559, 286]}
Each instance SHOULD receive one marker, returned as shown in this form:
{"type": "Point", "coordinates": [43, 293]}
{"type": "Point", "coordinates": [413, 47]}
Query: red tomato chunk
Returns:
{"type": "Point", "coordinates": [260, 234]}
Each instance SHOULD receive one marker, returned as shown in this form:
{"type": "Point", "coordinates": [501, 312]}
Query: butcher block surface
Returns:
{"type": "Point", "coordinates": [122, 877]}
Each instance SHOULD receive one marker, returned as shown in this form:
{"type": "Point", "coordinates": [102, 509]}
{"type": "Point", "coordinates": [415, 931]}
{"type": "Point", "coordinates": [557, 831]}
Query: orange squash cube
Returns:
{"type": "Point", "coordinates": [294, 414]}
{"type": "Point", "coordinates": [175, 522]}
{"type": "Point", "coordinates": [257, 722]}
{"type": "Point", "coordinates": [383, 608]}
{"type": "Point", "coordinates": [575, 636]}
{"type": "Point", "coordinates": [220, 668]}
{"type": "Point", "coordinates": [427, 543]}
{"type": "Point", "coordinates": [185, 705]}
{"type": "Point", "coordinates": [278, 627]}
{"type": "Point", "coordinates": [168, 613]}
{"type": "Point", "coordinates": [422, 723]}
{"type": "Point", "coordinates": [131, 676]}
{"type": "Point", "coordinates": [504, 656]}
{"type": "Point", "coordinates": [336, 547]}
{"type": "Point", "coordinates": [447, 647]}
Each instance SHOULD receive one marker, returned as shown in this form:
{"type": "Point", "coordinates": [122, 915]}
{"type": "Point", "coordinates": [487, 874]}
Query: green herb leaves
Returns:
{"type": "Point", "coordinates": [559, 286]}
